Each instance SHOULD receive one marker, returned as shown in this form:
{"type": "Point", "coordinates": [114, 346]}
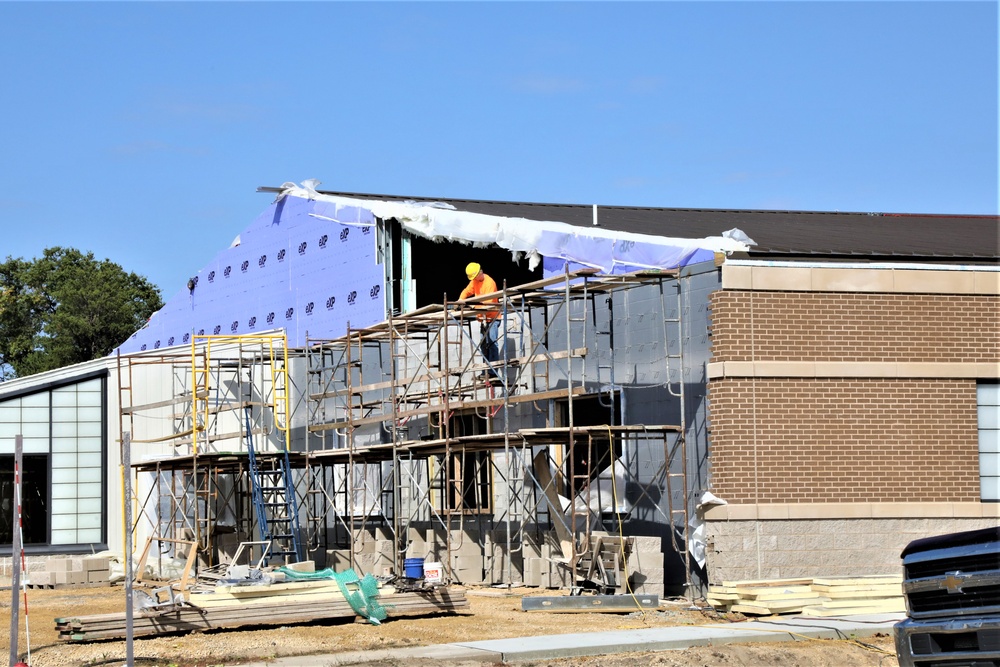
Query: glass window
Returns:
{"type": "Point", "coordinates": [988, 400]}
{"type": "Point", "coordinates": [63, 477]}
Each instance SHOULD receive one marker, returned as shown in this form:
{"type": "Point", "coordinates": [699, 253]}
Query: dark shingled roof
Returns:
{"type": "Point", "coordinates": [778, 234]}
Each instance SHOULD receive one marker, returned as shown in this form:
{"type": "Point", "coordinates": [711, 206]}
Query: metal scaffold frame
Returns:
{"type": "Point", "coordinates": [198, 477]}
{"type": "Point", "coordinates": [368, 388]}
{"type": "Point", "coordinates": [404, 432]}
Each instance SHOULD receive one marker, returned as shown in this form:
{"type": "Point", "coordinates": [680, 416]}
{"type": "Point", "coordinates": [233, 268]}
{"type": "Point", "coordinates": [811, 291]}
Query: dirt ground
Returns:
{"type": "Point", "coordinates": [494, 614]}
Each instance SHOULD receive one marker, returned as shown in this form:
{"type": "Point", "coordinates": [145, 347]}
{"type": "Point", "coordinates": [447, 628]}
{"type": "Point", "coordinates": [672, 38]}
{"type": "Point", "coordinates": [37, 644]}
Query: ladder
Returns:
{"type": "Point", "coordinates": [674, 360]}
{"type": "Point", "coordinates": [274, 501]}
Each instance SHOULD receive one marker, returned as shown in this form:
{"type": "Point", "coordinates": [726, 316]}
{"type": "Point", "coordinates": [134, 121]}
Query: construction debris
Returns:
{"type": "Point", "coordinates": [826, 596]}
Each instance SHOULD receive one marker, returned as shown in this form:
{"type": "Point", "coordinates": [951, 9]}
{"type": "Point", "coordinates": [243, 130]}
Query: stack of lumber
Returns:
{"type": "Point", "coordinates": [826, 596]}
{"type": "Point", "coordinates": [291, 609]}
{"type": "Point", "coordinates": [858, 595]}
{"type": "Point", "coordinates": [292, 591]}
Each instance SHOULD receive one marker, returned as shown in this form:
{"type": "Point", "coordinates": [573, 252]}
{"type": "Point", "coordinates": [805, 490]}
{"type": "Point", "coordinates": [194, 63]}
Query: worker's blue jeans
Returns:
{"type": "Point", "coordinates": [489, 345]}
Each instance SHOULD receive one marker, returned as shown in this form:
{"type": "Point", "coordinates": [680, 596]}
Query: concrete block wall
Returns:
{"type": "Point", "coordinates": [483, 558]}
{"type": "Point", "coordinates": [739, 550]}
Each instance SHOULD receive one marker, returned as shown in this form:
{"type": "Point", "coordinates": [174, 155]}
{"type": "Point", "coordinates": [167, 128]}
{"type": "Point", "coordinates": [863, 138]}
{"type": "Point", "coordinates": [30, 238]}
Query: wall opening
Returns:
{"type": "Point", "coordinates": [590, 456]}
{"type": "Point", "coordinates": [439, 268]}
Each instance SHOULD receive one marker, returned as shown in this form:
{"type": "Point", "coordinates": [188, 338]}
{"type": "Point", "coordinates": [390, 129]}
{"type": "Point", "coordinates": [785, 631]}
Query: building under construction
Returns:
{"type": "Point", "coordinates": [400, 440]}
{"type": "Point", "coordinates": [676, 401]}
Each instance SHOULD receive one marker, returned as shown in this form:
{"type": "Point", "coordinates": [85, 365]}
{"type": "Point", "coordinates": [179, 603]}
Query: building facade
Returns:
{"type": "Point", "coordinates": [852, 409]}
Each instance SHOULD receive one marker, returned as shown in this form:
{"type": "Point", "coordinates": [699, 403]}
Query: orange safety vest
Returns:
{"type": "Point", "coordinates": [487, 286]}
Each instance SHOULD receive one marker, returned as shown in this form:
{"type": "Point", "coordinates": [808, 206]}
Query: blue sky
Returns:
{"type": "Point", "coordinates": [140, 131]}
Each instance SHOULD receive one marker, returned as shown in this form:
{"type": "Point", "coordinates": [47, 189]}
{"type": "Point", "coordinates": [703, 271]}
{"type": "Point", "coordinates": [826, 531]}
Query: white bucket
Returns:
{"type": "Point", "coordinates": [433, 573]}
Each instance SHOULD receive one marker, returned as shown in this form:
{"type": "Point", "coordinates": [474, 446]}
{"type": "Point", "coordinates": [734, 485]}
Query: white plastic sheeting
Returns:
{"type": "Point", "coordinates": [589, 246]}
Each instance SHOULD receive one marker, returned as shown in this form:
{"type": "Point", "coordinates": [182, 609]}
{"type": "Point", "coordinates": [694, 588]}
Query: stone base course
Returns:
{"type": "Point", "coordinates": [739, 550]}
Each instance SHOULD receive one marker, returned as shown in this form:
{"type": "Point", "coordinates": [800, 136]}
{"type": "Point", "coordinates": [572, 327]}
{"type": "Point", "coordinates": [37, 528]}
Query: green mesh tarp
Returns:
{"type": "Point", "coordinates": [360, 593]}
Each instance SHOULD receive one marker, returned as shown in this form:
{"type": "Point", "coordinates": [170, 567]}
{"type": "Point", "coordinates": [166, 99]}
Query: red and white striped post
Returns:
{"type": "Point", "coordinates": [16, 554]}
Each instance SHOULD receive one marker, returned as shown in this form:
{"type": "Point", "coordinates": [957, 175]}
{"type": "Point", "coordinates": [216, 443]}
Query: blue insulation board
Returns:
{"type": "Point", "coordinates": [305, 266]}
{"type": "Point", "coordinates": [564, 251]}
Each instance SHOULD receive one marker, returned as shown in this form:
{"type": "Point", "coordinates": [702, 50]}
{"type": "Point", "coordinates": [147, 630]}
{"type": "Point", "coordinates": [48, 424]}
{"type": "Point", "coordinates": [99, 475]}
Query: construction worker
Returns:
{"type": "Point", "coordinates": [480, 283]}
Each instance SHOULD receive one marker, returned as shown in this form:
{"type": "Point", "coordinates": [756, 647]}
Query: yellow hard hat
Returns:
{"type": "Point", "coordinates": [472, 270]}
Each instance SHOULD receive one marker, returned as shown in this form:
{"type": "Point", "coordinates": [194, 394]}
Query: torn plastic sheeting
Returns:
{"type": "Point", "coordinates": [604, 495]}
{"type": "Point", "coordinates": [514, 234]}
{"type": "Point", "coordinates": [696, 538]}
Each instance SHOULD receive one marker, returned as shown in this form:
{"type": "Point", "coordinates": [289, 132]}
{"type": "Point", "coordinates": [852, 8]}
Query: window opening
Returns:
{"type": "Point", "coordinates": [34, 490]}
{"type": "Point", "coordinates": [589, 456]}
{"type": "Point", "coordinates": [471, 473]}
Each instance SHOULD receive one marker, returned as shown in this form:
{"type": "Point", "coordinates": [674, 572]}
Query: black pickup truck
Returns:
{"type": "Point", "coordinates": [952, 589]}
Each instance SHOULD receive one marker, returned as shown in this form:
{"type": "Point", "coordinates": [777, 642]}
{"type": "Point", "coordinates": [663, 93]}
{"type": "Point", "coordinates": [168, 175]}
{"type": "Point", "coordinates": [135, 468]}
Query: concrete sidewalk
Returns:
{"type": "Point", "coordinates": [516, 649]}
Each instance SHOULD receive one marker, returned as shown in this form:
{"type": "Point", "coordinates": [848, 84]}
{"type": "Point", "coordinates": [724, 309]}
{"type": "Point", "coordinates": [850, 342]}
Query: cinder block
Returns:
{"type": "Point", "coordinates": [71, 578]}
{"type": "Point", "coordinates": [531, 550]}
{"type": "Point", "coordinates": [41, 578]}
{"type": "Point", "coordinates": [302, 566]}
{"type": "Point", "coordinates": [373, 563]}
{"type": "Point", "coordinates": [338, 559]}
{"type": "Point", "coordinates": [467, 575]}
{"type": "Point", "coordinates": [97, 577]}
{"type": "Point", "coordinates": [495, 567]}
{"type": "Point", "coordinates": [646, 544]}
{"type": "Point", "coordinates": [467, 562]}
{"type": "Point", "coordinates": [533, 571]}
{"type": "Point", "coordinates": [59, 565]}
{"type": "Point", "coordinates": [645, 560]}
{"type": "Point", "coordinates": [96, 563]}
{"type": "Point", "coordinates": [466, 535]}
{"type": "Point", "coordinates": [651, 588]}
{"type": "Point", "coordinates": [468, 548]}
{"type": "Point", "coordinates": [557, 577]}
{"type": "Point", "coordinates": [651, 576]}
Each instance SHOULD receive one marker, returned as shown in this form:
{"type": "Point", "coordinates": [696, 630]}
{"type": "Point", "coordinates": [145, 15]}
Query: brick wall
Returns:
{"type": "Point", "coordinates": [843, 440]}
{"type": "Point", "coordinates": [849, 439]}
{"type": "Point", "coordinates": [837, 326]}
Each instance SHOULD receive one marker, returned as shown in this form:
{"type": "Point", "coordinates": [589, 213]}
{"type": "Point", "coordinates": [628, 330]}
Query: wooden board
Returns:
{"type": "Point", "coordinates": [775, 606]}
{"type": "Point", "coordinates": [775, 592]}
{"type": "Point", "coordinates": [858, 581]}
{"type": "Point", "coordinates": [760, 583]}
{"type": "Point", "coordinates": [884, 606]}
{"type": "Point", "coordinates": [189, 619]}
{"type": "Point", "coordinates": [874, 592]}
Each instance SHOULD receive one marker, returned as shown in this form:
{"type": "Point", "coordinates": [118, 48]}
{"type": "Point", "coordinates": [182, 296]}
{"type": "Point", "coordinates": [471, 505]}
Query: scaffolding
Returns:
{"type": "Point", "coordinates": [411, 442]}
{"type": "Point", "coordinates": [195, 478]}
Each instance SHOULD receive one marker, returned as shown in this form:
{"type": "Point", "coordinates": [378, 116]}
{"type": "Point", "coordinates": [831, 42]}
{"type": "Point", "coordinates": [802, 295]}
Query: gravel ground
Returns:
{"type": "Point", "coordinates": [493, 615]}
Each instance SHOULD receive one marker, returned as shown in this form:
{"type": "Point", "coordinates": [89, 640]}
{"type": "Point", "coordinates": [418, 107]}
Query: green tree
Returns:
{"type": "Point", "coordinates": [65, 308]}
